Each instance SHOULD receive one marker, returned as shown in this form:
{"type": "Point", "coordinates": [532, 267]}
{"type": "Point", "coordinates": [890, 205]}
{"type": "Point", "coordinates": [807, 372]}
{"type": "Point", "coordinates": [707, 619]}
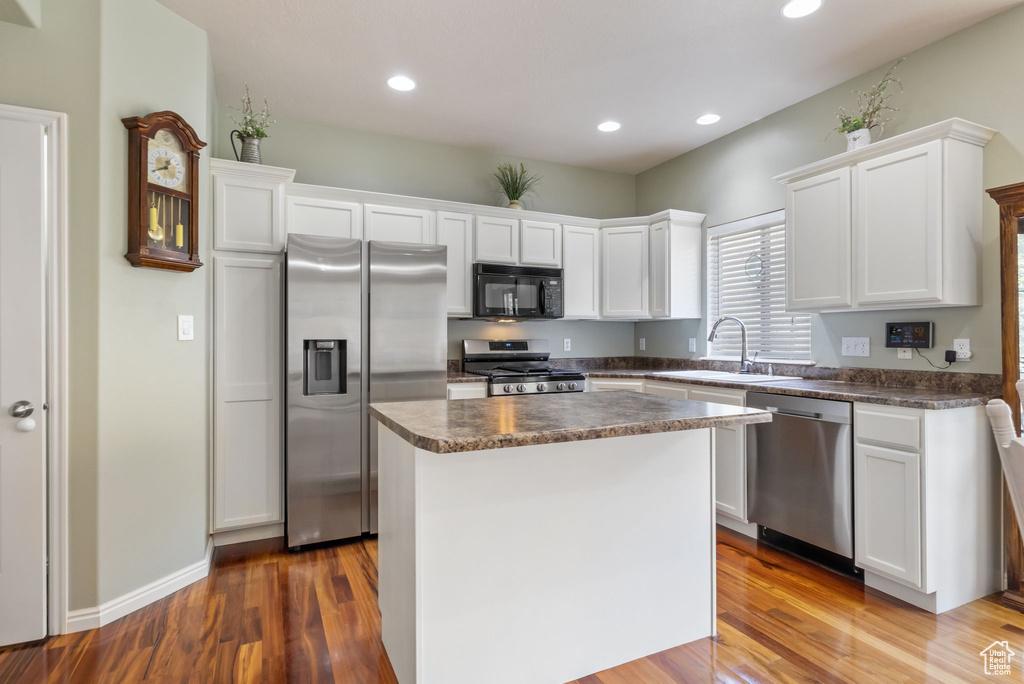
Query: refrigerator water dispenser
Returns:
{"type": "Point", "coordinates": [324, 368]}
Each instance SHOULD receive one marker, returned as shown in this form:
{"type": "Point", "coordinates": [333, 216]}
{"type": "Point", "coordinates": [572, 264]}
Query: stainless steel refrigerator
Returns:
{"type": "Point", "coordinates": [364, 322]}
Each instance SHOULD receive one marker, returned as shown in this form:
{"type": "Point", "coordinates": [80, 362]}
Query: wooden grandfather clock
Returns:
{"type": "Point", "coordinates": [163, 184]}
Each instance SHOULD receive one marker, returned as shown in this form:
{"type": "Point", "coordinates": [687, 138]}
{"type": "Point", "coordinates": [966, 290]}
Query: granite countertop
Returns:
{"type": "Point", "coordinates": [443, 426]}
{"type": "Point", "coordinates": [459, 376]}
{"type": "Point", "coordinates": [910, 397]}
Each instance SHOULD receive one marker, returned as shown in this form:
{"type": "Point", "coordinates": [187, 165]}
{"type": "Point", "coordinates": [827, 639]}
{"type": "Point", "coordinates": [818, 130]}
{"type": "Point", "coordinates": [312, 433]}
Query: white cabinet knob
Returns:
{"type": "Point", "coordinates": [25, 425]}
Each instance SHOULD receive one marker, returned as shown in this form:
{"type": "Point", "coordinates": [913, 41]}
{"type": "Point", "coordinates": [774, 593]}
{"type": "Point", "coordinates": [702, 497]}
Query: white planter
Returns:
{"type": "Point", "coordinates": [858, 139]}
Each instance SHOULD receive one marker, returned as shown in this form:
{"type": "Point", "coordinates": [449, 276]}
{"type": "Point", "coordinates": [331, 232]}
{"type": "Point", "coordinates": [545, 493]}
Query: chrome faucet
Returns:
{"type": "Point", "coordinates": [746, 364]}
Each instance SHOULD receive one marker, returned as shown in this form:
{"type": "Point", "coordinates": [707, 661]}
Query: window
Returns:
{"type": "Point", "coordinates": [747, 279]}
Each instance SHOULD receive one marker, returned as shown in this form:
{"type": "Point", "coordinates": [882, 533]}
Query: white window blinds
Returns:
{"type": "Point", "coordinates": [747, 279]}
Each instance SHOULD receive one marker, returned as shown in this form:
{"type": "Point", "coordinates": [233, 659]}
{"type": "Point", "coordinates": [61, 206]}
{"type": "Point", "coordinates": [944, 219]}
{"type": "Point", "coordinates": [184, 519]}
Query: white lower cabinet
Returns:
{"type": "Point", "coordinates": [612, 384]}
{"type": "Point", "coordinates": [467, 390]}
{"type": "Point", "coordinates": [926, 504]}
{"type": "Point", "coordinates": [247, 451]}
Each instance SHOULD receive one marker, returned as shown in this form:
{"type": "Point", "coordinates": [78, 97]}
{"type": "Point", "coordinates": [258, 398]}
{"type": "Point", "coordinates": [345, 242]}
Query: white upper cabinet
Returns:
{"type": "Point", "coordinates": [455, 230]}
{"type": "Point", "coordinates": [625, 272]}
{"type": "Point", "coordinates": [398, 224]}
{"type": "Point", "coordinates": [540, 243]}
{"type": "Point", "coordinates": [896, 224]}
{"type": "Point", "coordinates": [818, 259]}
{"type": "Point", "coordinates": [249, 206]}
{"type": "Point", "coordinates": [675, 266]}
{"type": "Point", "coordinates": [312, 215]}
{"type": "Point", "coordinates": [496, 240]}
{"type": "Point", "coordinates": [581, 285]}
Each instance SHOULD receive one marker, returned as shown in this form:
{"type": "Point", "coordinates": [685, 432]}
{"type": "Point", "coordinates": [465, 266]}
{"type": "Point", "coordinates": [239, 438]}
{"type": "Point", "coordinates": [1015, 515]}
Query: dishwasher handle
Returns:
{"type": "Point", "coordinates": [794, 413]}
{"type": "Point", "coordinates": [806, 408]}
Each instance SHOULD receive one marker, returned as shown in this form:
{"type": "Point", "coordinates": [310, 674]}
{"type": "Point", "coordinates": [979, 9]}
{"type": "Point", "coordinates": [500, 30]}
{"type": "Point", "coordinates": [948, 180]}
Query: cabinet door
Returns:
{"type": "Point", "coordinates": [247, 452]}
{"type": "Point", "coordinates": [887, 511]}
{"type": "Point", "coordinates": [399, 224]}
{"type": "Point", "coordinates": [581, 268]}
{"type": "Point", "coordinates": [818, 257]}
{"type": "Point", "coordinates": [249, 212]}
{"type": "Point", "coordinates": [667, 389]}
{"type": "Point", "coordinates": [730, 454]}
{"type": "Point", "coordinates": [330, 218]}
{"type": "Point", "coordinates": [496, 240]}
{"type": "Point", "coordinates": [612, 384]}
{"type": "Point", "coordinates": [456, 232]}
{"type": "Point", "coordinates": [624, 272]}
{"type": "Point", "coordinates": [898, 227]}
{"type": "Point", "coordinates": [467, 390]}
{"type": "Point", "coordinates": [659, 269]}
{"type": "Point", "coordinates": [540, 243]}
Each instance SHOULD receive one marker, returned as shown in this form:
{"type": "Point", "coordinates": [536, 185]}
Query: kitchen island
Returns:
{"type": "Point", "coordinates": [544, 538]}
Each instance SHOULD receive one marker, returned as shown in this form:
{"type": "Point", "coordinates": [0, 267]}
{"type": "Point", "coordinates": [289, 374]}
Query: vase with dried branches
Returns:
{"type": "Point", "coordinates": [873, 111]}
{"type": "Point", "coordinates": [251, 129]}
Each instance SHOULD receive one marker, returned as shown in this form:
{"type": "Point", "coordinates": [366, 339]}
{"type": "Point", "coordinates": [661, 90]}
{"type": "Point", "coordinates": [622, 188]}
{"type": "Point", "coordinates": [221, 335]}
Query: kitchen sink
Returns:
{"type": "Point", "coordinates": [725, 376]}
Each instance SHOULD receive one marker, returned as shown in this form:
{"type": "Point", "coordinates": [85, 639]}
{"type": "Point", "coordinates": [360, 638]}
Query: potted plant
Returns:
{"type": "Point", "coordinates": [251, 129]}
{"type": "Point", "coordinates": [515, 182]}
{"type": "Point", "coordinates": [873, 111]}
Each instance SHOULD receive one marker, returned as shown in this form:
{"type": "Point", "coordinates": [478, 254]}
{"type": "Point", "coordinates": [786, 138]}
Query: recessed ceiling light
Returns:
{"type": "Point", "coordinates": [401, 83]}
{"type": "Point", "coordinates": [708, 119]}
{"type": "Point", "coordinates": [794, 9]}
{"type": "Point", "coordinates": [609, 126]}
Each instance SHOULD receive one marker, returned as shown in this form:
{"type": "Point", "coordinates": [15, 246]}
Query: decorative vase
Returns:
{"type": "Point", "coordinates": [514, 204]}
{"type": "Point", "coordinates": [858, 139]}
{"type": "Point", "coordinates": [250, 148]}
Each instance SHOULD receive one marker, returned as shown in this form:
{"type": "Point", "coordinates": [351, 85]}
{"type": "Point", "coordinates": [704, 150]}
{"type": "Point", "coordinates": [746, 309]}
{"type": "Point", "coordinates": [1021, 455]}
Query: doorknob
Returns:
{"type": "Point", "coordinates": [21, 409]}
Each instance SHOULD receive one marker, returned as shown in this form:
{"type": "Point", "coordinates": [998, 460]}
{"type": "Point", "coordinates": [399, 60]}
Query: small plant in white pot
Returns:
{"type": "Point", "coordinates": [515, 182]}
{"type": "Point", "coordinates": [873, 111]}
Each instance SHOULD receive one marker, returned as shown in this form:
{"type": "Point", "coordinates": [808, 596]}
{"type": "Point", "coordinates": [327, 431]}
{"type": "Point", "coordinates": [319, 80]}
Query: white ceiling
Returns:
{"type": "Point", "coordinates": [533, 78]}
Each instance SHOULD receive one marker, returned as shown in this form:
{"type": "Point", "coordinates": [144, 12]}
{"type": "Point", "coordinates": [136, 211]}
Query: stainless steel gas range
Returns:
{"type": "Point", "coordinates": [515, 367]}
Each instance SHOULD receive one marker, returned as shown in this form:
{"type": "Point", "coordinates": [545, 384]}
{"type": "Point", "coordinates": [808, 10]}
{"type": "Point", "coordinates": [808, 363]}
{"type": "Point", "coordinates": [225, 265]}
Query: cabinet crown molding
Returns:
{"type": "Point", "coordinates": [955, 128]}
{"type": "Point", "coordinates": [247, 170]}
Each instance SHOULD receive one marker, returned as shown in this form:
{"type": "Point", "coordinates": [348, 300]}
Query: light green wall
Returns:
{"type": "Point", "coordinates": [152, 392]}
{"type": "Point", "coordinates": [965, 75]}
{"type": "Point", "coordinates": [56, 67]}
{"type": "Point", "coordinates": [589, 338]}
{"type": "Point", "coordinates": [347, 158]}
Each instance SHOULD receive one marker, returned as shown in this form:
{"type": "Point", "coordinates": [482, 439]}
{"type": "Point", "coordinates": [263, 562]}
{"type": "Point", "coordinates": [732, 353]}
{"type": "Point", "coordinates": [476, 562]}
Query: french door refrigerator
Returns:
{"type": "Point", "coordinates": [364, 322]}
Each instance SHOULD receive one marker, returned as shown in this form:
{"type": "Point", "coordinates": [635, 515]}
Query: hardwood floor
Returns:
{"type": "Point", "coordinates": [265, 615]}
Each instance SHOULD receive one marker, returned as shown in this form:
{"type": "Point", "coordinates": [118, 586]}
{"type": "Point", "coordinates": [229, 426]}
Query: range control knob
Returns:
{"type": "Point", "coordinates": [541, 387]}
{"type": "Point", "coordinates": [561, 387]}
{"type": "Point", "coordinates": [521, 388]}
{"type": "Point", "coordinates": [572, 386]}
{"type": "Point", "coordinates": [508, 389]}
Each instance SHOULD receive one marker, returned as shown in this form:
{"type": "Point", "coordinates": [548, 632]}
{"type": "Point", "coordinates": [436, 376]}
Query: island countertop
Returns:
{"type": "Point", "coordinates": [444, 426]}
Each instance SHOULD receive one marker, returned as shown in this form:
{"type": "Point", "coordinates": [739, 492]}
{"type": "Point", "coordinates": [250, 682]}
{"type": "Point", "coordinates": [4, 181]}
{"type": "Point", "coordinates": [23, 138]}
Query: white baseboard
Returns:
{"type": "Point", "coordinates": [248, 534]}
{"type": "Point", "coordinates": [747, 529]}
{"type": "Point", "coordinates": [91, 618]}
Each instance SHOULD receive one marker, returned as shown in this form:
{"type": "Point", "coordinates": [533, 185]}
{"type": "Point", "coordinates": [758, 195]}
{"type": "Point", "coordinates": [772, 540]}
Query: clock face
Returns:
{"type": "Point", "coordinates": [167, 163]}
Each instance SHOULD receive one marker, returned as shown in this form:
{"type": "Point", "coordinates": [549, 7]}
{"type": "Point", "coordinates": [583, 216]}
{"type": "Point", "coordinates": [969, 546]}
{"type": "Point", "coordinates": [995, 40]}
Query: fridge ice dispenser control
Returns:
{"type": "Point", "coordinates": [323, 371]}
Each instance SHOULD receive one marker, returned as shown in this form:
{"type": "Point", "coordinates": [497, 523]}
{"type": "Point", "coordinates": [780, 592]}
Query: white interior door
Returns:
{"type": "Point", "coordinates": [22, 379]}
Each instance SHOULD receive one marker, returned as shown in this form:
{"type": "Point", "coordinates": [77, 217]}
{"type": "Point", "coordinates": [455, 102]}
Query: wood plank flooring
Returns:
{"type": "Point", "coordinates": [265, 615]}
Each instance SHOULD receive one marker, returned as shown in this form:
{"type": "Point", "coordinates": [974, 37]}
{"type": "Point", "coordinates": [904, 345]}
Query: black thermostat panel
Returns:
{"type": "Point", "coordinates": [912, 335]}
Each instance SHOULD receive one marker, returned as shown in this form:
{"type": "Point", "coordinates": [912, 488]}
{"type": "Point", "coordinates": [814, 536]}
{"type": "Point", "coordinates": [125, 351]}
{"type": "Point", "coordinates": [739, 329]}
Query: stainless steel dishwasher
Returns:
{"type": "Point", "coordinates": [800, 470]}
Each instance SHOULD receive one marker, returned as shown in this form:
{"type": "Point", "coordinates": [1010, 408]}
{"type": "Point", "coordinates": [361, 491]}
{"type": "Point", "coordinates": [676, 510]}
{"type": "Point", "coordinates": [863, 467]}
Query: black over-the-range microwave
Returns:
{"type": "Point", "coordinates": [516, 292]}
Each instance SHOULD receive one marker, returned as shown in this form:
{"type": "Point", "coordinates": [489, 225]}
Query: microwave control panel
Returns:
{"type": "Point", "coordinates": [553, 298]}
{"type": "Point", "coordinates": [910, 335]}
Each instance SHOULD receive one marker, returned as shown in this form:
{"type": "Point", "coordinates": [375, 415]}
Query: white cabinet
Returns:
{"type": "Point", "coordinates": [675, 266]}
{"type": "Point", "coordinates": [247, 451]}
{"type": "Point", "coordinates": [818, 256]}
{"type": "Point", "coordinates": [398, 224]}
{"type": "Point", "coordinates": [496, 240]}
{"type": "Point", "coordinates": [540, 243]}
{"type": "Point", "coordinates": [893, 225]}
{"type": "Point", "coordinates": [581, 254]}
{"type": "Point", "coordinates": [624, 271]}
{"type": "Point", "coordinates": [926, 504]}
{"type": "Point", "coordinates": [323, 216]}
{"type": "Point", "coordinates": [248, 206]}
{"type": "Point", "coordinates": [613, 384]}
{"type": "Point", "coordinates": [667, 389]}
{"type": "Point", "coordinates": [455, 231]}
{"type": "Point", "coordinates": [467, 390]}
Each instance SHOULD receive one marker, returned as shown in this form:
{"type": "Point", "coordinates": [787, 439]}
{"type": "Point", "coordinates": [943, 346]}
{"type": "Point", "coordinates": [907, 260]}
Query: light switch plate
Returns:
{"type": "Point", "coordinates": [186, 329]}
{"type": "Point", "coordinates": [566, 344]}
{"type": "Point", "coordinates": [643, 344]}
{"type": "Point", "coordinates": [693, 344]}
{"type": "Point", "coordinates": [856, 346]}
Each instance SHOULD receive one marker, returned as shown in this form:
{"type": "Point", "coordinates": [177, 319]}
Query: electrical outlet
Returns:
{"type": "Point", "coordinates": [643, 344]}
{"type": "Point", "coordinates": [856, 346]}
{"type": "Point", "coordinates": [693, 344]}
{"type": "Point", "coordinates": [904, 353]}
{"type": "Point", "coordinates": [962, 349]}
{"type": "Point", "coordinates": [186, 330]}
{"type": "Point", "coordinates": [566, 344]}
